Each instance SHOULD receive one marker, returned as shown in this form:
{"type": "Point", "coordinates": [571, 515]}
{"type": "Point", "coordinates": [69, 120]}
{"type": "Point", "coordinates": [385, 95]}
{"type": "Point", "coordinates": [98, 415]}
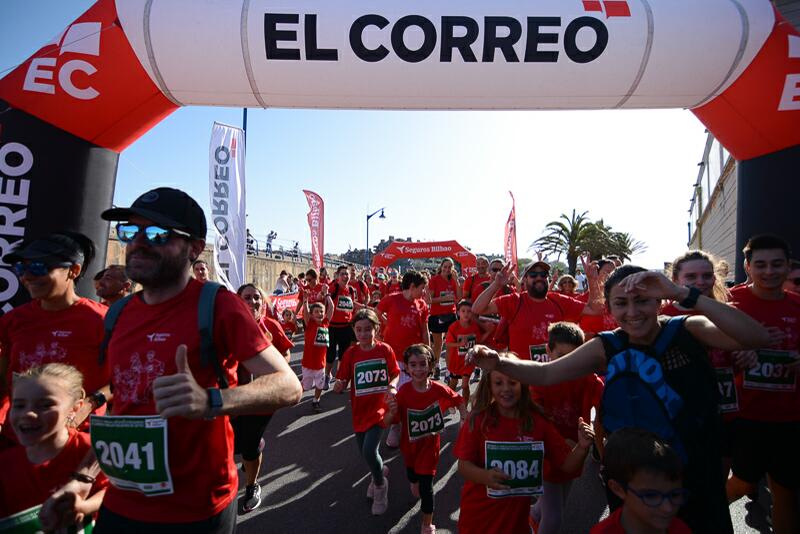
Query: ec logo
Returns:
{"type": "Point", "coordinates": [82, 38]}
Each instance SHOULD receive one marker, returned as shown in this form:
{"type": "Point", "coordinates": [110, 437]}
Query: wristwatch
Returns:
{"type": "Point", "coordinates": [97, 399]}
{"type": "Point", "coordinates": [214, 402]}
{"type": "Point", "coordinates": [691, 300]}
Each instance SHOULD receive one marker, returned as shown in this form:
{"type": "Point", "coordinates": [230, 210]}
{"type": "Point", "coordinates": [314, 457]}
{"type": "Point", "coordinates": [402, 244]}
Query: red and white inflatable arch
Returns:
{"type": "Point", "coordinates": [121, 67]}
{"type": "Point", "coordinates": [399, 250]}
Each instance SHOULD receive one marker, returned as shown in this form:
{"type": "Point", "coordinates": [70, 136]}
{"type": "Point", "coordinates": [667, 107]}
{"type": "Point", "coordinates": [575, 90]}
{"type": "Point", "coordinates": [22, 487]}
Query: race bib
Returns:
{"type": "Point", "coordinates": [772, 373]}
{"type": "Point", "coordinates": [322, 339]}
{"type": "Point", "coordinates": [521, 461]}
{"type": "Point", "coordinates": [728, 400]}
{"type": "Point", "coordinates": [448, 297]}
{"type": "Point", "coordinates": [371, 376]}
{"type": "Point", "coordinates": [344, 303]}
{"type": "Point", "coordinates": [132, 452]}
{"type": "Point", "coordinates": [27, 522]}
{"type": "Point", "coordinates": [538, 353]}
{"type": "Point", "coordinates": [466, 342]}
{"type": "Point", "coordinates": [425, 422]}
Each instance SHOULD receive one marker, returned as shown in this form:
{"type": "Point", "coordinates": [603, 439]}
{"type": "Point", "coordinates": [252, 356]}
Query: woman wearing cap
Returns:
{"type": "Point", "coordinates": [57, 325]}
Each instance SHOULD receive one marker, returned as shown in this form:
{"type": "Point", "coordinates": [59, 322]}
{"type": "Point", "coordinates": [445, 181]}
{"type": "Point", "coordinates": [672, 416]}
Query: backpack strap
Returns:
{"type": "Point", "coordinates": [205, 325]}
{"type": "Point", "coordinates": [612, 339]}
{"type": "Point", "coordinates": [113, 313]}
{"type": "Point", "coordinates": [667, 334]}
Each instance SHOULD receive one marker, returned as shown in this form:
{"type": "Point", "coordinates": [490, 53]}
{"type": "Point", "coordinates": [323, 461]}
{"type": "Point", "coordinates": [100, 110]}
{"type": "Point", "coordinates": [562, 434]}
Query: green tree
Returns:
{"type": "Point", "coordinates": [566, 236]}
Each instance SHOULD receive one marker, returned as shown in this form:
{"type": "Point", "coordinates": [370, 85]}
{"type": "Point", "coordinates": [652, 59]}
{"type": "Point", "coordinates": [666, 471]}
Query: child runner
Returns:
{"type": "Point", "coordinates": [564, 404]}
{"type": "Point", "coordinates": [503, 452]}
{"type": "Point", "coordinates": [420, 406]}
{"type": "Point", "coordinates": [444, 293]}
{"type": "Point", "coordinates": [645, 473]}
{"type": "Point", "coordinates": [289, 323]}
{"type": "Point", "coordinates": [462, 335]}
{"type": "Point", "coordinates": [373, 370]}
{"type": "Point", "coordinates": [44, 402]}
{"type": "Point", "coordinates": [315, 345]}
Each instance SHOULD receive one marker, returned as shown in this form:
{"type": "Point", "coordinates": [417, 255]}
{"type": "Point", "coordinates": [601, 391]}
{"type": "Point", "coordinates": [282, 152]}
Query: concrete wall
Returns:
{"type": "Point", "coordinates": [260, 270]}
{"type": "Point", "coordinates": [716, 230]}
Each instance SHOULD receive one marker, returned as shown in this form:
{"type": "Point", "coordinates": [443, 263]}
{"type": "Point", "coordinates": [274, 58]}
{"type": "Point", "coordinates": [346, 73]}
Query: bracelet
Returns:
{"type": "Point", "coordinates": [691, 300]}
{"type": "Point", "coordinates": [83, 477]}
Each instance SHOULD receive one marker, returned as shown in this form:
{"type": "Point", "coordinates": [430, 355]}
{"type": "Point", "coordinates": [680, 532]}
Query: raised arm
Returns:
{"type": "Point", "coordinates": [484, 304]}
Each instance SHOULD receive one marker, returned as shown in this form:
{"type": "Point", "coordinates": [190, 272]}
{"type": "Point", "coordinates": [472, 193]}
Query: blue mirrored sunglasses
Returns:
{"type": "Point", "coordinates": [155, 235]}
{"type": "Point", "coordinates": [38, 268]}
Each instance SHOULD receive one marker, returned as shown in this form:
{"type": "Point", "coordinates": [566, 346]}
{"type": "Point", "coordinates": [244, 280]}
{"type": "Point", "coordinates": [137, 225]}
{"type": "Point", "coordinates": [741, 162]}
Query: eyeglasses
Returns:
{"type": "Point", "coordinates": [496, 269]}
{"type": "Point", "coordinates": [37, 268]}
{"type": "Point", "coordinates": [655, 498]}
{"type": "Point", "coordinates": [155, 235]}
{"type": "Point", "coordinates": [538, 274]}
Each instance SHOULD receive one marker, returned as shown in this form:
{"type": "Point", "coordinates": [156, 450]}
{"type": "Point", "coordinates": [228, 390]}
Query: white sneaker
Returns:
{"type": "Point", "coordinates": [393, 438]}
{"type": "Point", "coordinates": [371, 487]}
{"type": "Point", "coordinates": [381, 498]}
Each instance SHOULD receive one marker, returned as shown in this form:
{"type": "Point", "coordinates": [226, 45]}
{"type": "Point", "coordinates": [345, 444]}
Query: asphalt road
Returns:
{"type": "Point", "coordinates": [314, 481]}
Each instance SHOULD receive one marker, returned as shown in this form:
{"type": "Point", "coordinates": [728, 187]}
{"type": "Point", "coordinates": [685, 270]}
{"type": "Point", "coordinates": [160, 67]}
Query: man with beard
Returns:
{"type": "Point", "coordinates": [113, 285]}
{"type": "Point", "coordinates": [529, 314]}
{"type": "Point", "coordinates": [185, 479]}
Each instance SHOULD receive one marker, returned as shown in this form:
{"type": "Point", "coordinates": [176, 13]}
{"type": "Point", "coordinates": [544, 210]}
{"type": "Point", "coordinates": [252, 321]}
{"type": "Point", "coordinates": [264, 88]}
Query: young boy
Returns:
{"type": "Point", "coordinates": [646, 474]}
{"type": "Point", "coordinates": [315, 346]}
{"type": "Point", "coordinates": [564, 403]}
{"type": "Point", "coordinates": [462, 335]}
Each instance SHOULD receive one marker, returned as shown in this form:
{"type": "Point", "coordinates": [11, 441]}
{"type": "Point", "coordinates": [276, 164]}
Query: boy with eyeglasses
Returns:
{"type": "Point", "coordinates": [646, 474]}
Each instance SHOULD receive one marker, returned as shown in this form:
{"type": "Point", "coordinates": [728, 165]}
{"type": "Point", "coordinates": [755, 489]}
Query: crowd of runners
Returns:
{"type": "Point", "coordinates": [128, 414]}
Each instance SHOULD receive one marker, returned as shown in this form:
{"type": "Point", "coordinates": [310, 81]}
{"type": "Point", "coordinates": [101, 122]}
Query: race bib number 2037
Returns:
{"type": "Point", "coordinates": [132, 452]}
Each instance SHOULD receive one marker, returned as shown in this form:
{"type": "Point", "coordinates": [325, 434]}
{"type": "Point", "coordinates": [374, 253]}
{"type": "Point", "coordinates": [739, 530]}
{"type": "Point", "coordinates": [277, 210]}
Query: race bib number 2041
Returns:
{"type": "Point", "coordinates": [132, 452]}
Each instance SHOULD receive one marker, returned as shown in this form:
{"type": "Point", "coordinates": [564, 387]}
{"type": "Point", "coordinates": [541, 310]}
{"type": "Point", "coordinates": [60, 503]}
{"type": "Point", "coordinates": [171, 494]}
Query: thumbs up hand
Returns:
{"type": "Point", "coordinates": [180, 394]}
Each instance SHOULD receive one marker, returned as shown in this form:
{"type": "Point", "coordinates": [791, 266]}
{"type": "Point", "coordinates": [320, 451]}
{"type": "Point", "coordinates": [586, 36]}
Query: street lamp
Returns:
{"type": "Point", "coordinates": [371, 215]}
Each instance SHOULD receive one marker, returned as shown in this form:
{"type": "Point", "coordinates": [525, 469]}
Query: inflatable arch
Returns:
{"type": "Point", "coordinates": [121, 67]}
{"type": "Point", "coordinates": [399, 250]}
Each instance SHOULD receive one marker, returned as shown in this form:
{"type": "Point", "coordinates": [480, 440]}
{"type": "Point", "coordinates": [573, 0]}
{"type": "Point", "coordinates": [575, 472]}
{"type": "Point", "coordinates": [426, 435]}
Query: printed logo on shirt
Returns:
{"type": "Point", "coordinates": [42, 354]}
{"type": "Point", "coordinates": [135, 384]}
{"type": "Point", "coordinates": [158, 337]}
{"type": "Point", "coordinates": [61, 333]}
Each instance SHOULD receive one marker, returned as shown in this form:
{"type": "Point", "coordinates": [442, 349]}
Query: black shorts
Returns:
{"type": "Point", "coordinates": [766, 448]}
{"type": "Point", "coordinates": [341, 337]}
{"type": "Point", "coordinates": [247, 433]}
{"type": "Point", "coordinates": [110, 523]}
{"type": "Point", "coordinates": [438, 324]}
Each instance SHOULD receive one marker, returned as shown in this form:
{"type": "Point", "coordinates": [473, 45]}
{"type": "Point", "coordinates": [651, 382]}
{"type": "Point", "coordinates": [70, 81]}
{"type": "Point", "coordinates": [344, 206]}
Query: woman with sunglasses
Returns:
{"type": "Point", "coordinates": [57, 325]}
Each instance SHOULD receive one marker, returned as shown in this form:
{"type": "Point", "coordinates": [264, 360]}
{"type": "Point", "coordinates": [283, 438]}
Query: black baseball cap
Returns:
{"type": "Point", "coordinates": [59, 247]}
{"type": "Point", "coordinates": [165, 206]}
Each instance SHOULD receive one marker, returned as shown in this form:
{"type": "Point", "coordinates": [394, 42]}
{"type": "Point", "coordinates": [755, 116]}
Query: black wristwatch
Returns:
{"type": "Point", "coordinates": [691, 300]}
{"type": "Point", "coordinates": [97, 399]}
{"type": "Point", "coordinates": [214, 402]}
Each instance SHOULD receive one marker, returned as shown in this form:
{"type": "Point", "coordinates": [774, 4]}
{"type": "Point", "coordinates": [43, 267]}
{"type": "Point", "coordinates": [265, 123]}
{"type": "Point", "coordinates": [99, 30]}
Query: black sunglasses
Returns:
{"type": "Point", "coordinates": [155, 235]}
{"type": "Point", "coordinates": [38, 268]}
{"type": "Point", "coordinates": [655, 498]}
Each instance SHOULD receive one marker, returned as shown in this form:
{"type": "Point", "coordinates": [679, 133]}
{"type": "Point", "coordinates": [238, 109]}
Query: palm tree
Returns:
{"type": "Point", "coordinates": [565, 236]}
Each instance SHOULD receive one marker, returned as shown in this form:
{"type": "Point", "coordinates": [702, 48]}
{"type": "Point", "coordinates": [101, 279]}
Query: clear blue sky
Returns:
{"type": "Point", "coordinates": [440, 175]}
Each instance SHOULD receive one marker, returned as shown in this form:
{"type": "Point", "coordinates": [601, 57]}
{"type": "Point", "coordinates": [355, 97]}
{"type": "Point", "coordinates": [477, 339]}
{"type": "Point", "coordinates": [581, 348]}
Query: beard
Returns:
{"type": "Point", "coordinates": [538, 290]}
{"type": "Point", "coordinates": [164, 270]}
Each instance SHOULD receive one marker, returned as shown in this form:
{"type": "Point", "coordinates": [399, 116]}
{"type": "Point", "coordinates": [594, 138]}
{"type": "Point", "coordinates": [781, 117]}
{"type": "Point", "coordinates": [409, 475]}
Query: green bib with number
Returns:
{"type": "Point", "coordinates": [522, 461]}
{"type": "Point", "coordinates": [448, 297]}
{"type": "Point", "coordinates": [538, 353]}
{"type": "Point", "coordinates": [773, 372]}
{"type": "Point", "coordinates": [344, 303]}
{"type": "Point", "coordinates": [728, 400]}
{"type": "Point", "coordinates": [371, 376]}
{"type": "Point", "coordinates": [425, 422]}
{"type": "Point", "coordinates": [322, 339]}
{"type": "Point", "coordinates": [132, 452]}
{"type": "Point", "coordinates": [466, 342]}
{"type": "Point", "coordinates": [27, 522]}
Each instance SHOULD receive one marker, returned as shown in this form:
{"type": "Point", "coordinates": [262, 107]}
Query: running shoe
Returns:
{"type": "Point", "coordinates": [316, 407]}
{"type": "Point", "coordinates": [476, 376]}
{"type": "Point", "coordinates": [428, 529]}
{"type": "Point", "coordinates": [371, 487]}
{"type": "Point", "coordinates": [326, 386]}
{"type": "Point", "coordinates": [252, 497]}
{"type": "Point", "coordinates": [380, 497]}
{"type": "Point", "coordinates": [393, 437]}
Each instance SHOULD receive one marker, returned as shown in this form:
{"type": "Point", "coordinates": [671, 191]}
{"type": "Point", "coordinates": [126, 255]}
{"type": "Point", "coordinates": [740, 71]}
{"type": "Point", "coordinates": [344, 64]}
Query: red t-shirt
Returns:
{"type": "Point", "coordinates": [613, 525]}
{"type": "Point", "coordinates": [25, 485]}
{"type": "Point", "coordinates": [594, 324]}
{"type": "Point", "coordinates": [391, 287]}
{"type": "Point", "coordinates": [467, 337]}
{"type": "Point", "coordinates": [405, 321]}
{"type": "Point", "coordinates": [279, 339]}
{"type": "Point", "coordinates": [479, 512]}
{"type": "Point", "coordinates": [362, 291]}
{"type": "Point", "coordinates": [200, 452]}
{"type": "Point", "coordinates": [315, 344]}
{"type": "Point", "coordinates": [769, 402]}
{"type": "Point", "coordinates": [31, 336]}
{"type": "Point", "coordinates": [314, 293]}
{"type": "Point", "coordinates": [475, 285]}
{"type": "Point", "coordinates": [428, 408]}
{"type": "Point", "coordinates": [370, 372]}
{"type": "Point", "coordinates": [439, 287]}
{"type": "Point", "coordinates": [343, 304]}
{"type": "Point", "coordinates": [529, 320]}
{"type": "Point", "coordinates": [289, 329]}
